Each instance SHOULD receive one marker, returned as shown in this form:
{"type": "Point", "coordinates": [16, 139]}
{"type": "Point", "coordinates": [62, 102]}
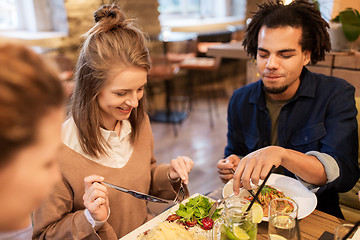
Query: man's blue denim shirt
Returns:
{"type": "Point", "coordinates": [320, 117]}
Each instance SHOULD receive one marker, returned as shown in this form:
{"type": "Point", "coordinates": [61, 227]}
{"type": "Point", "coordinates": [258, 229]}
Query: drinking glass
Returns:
{"type": "Point", "coordinates": [343, 229]}
{"type": "Point", "coordinates": [233, 222]}
{"type": "Point", "coordinates": [282, 219]}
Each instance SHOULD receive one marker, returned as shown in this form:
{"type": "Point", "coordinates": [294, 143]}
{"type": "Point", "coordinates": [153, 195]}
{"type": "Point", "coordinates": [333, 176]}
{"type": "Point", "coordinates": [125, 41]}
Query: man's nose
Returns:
{"type": "Point", "coordinates": [272, 62]}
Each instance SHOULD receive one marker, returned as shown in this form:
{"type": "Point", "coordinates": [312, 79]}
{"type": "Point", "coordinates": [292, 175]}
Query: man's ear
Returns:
{"type": "Point", "coordinates": [306, 57]}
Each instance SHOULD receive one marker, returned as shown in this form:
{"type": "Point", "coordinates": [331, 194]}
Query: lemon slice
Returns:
{"type": "Point", "coordinates": [276, 237]}
{"type": "Point", "coordinates": [256, 211]}
{"type": "Point", "coordinates": [240, 233]}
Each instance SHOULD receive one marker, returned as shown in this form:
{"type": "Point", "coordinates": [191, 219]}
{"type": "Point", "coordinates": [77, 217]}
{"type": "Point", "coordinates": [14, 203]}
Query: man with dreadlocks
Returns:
{"type": "Point", "coordinates": [301, 122]}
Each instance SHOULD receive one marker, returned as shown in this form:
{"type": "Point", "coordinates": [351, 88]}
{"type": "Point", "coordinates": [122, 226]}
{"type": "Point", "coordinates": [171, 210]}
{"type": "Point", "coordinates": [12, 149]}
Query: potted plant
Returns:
{"type": "Point", "coordinates": [345, 29]}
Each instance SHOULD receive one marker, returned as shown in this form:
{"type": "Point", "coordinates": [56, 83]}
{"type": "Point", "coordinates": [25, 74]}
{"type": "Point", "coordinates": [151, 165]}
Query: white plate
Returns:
{"type": "Point", "coordinates": [291, 187]}
{"type": "Point", "coordinates": [160, 218]}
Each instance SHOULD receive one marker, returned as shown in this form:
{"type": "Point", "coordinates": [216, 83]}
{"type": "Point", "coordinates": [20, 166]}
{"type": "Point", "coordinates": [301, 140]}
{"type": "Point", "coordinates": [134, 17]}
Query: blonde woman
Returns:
{"type": "Point", "coordinates": [31, 113]}
{"type": "Point", "coordinates": [108, 137]}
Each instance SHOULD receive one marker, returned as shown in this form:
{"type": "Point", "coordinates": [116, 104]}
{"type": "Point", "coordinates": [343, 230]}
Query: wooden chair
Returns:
{"type": "Point", "coordinates": [203, 72]}
{"type": "Point", "coordinates": [163, 72]}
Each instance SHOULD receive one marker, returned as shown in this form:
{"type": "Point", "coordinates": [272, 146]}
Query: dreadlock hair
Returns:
{"type": "Point", "coordinates": [298, 14]}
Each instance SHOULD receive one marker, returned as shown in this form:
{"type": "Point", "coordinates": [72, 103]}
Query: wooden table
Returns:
{"type": "Point", "coordinates": [233, 50]}
{"type": "Point", "coordinates": [311, 227]}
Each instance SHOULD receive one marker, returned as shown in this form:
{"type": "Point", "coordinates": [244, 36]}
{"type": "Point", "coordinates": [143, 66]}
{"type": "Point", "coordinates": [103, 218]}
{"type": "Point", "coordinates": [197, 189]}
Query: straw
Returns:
{"type": "Point", "coordinates": [351, 230]}
{"type": "Point", "coordinates": [260, 188]}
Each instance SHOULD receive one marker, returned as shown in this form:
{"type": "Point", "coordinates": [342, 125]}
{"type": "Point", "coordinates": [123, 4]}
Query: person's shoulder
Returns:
{"type": "Point", "coordinates": [330, 81]}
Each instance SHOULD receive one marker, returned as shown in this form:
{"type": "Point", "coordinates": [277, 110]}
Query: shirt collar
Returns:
{"type": "Point", "coordinates": [306, 89]}
{"type": "Point", "coordinates": [125, 130]}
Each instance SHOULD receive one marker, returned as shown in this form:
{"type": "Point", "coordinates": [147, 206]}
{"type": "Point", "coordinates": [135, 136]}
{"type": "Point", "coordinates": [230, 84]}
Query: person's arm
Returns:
{"type": "Point", "coordinates": [340, 143]}
{"type": "Point", "coordinates": [341, 139]}
{"type": "Point", "coordinates": [55, 220]}
{"type": "Point", "coordinates": [160, 185]}
{"type": "Point", "coordinates": [256, 165]}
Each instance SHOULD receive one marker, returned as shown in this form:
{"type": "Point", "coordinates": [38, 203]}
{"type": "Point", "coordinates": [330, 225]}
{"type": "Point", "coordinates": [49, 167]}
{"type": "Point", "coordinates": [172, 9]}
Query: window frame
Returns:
{"type": "Point", "coordinates": [169, 21]}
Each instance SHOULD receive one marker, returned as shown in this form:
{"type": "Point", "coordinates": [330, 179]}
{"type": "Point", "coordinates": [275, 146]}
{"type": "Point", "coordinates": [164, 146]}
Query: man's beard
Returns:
{"type": "Point", "coordinates": [276, 90]}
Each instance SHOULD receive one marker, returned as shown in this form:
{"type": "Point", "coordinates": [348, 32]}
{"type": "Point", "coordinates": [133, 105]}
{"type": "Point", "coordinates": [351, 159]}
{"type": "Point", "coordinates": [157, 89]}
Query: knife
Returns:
{"type": "Point", "coordinates": [139, 195]}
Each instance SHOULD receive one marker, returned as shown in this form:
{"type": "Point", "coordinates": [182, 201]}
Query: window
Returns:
{"type": "Point", "coordinates": [33, 15]}
{"type": "Point", "coordinates": [200, 9]}
{"type": "Point", "coordinates": [9, 17]}
{"type": "Point", "coordinates": [179, 7]}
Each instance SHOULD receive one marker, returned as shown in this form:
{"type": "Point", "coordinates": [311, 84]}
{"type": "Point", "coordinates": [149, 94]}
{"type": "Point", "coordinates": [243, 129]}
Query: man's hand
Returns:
{"type": "Point", "coordinates": [256, 165]}
{"type": "Point", "coordinates": [96, 198]}
{"type": "Point", "coordinates": [227, 166]}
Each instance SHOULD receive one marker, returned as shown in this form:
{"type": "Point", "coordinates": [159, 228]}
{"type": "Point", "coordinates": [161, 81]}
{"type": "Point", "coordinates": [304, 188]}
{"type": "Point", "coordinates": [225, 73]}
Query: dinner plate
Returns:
{"type": "Point", "coordinates": [160, 218]}
{"type": "Point", "coordinates": [291, 187]}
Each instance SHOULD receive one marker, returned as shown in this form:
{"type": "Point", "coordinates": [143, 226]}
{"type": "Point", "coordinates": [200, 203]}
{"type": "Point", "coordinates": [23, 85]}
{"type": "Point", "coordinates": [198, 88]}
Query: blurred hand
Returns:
{"type": "Point", "coordinates": [226, 167]}
{"type": "Point", "coordinates": [180, 168]}
{"type": "Point", "coordinates": [256, 165]}
{"type": "Point", "coordinates": [96, 197]}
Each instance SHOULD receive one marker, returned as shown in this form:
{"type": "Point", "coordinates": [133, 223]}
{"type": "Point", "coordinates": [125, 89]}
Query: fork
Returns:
{"type": "Point", "coordinates": [217, 203]}
{"type": "Point", "coordinates": [182, 194]}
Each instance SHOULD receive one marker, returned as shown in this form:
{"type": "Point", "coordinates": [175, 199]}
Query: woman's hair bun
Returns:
{"type": "Point", "coordinates": [110, 14]}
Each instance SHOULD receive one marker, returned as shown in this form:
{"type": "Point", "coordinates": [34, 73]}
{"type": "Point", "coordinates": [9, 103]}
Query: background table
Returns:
{"type": "Point", "coordinates": [233, 50]}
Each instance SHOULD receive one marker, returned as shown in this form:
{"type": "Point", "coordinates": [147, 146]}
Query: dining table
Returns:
{"type": "Point", "coordinates": [233, 50]}
{"type": "Point", "coordinates": [314, 226]}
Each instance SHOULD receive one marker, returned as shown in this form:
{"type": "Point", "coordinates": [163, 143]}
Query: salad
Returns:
{"type": "Point", "coordinates": [195, 212]}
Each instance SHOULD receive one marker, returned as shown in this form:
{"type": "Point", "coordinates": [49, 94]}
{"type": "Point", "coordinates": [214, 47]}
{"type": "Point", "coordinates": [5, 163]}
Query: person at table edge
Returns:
{"type": "Point", "coordinates": [108, 137]}
{"type": "Point", "coordinates": [301, 122]}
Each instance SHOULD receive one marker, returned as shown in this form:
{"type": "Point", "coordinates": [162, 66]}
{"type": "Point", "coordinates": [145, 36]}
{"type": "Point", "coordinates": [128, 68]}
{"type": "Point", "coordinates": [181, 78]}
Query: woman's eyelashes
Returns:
{"type": "Point", "coordinates": [120, 94]}
{"type": "Point", "coordinates": [123, 93]}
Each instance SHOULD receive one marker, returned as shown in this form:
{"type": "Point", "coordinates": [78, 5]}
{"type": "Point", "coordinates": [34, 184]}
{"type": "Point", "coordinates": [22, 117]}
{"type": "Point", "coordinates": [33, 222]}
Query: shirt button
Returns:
{"type": "Point", "coordinates": [306, 139]}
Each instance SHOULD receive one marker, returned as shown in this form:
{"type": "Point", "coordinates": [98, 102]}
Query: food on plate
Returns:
{"type": "Point", "coordinates": [207, 223]}
{"type": "Point", "coordinates": [267, 194]}
{"type": "Point", "coordinates": [196, 212]}
{"type": "Point", "coordinates": [169, 231]}
{"type": "Point", "coordinates": [189, 221]}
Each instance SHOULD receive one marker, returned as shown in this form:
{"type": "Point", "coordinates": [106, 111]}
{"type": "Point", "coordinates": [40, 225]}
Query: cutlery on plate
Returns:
{"type": "Point", "coordinates": [139, 195]}
{"type": "Point", "coordinates": [181, 194]}
{"type": "Point", "coordinates": [217, 203]}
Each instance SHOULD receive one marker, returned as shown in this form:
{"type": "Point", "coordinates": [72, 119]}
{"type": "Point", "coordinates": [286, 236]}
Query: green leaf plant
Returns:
{"type": "Point", "coordinates": [350, 21]}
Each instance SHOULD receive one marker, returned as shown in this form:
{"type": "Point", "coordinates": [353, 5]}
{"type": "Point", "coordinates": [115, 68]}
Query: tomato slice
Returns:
{"type": "Point", "coordinates": [191, 223]}
{"type": "Point", "coordinates": [173, 218]}
{"type": "Point", "coordinates": [207, 223]}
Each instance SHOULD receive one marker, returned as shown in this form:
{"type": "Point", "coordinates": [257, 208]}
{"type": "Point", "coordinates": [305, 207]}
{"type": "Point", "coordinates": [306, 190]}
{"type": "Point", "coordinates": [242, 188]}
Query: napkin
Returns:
{"type": "Point", "coordinates": [356, 235]}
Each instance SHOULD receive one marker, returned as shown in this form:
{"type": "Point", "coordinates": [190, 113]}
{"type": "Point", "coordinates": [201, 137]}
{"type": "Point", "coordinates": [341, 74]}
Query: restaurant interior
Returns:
{"type": "Point", "coordinates": [197, 62]}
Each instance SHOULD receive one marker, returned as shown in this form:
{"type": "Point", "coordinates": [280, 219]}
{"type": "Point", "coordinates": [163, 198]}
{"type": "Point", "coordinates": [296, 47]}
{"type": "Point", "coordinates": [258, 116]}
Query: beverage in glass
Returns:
{"type": "Point", "coordinates": [282, 219]}
{"type": "Point", "coordinates": [234, 223]}
{"type": "Point", "coordinates": [343, 229]}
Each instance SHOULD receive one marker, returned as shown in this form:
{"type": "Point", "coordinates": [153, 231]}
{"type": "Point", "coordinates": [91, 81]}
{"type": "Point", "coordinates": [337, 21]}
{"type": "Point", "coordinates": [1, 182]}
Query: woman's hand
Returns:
{"type": "Point", "coordinates": [96, 198]}
{"type": "Point", "coordinates": [226, 167]}
{"type": "Point", "coordinates": [180, 168]}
